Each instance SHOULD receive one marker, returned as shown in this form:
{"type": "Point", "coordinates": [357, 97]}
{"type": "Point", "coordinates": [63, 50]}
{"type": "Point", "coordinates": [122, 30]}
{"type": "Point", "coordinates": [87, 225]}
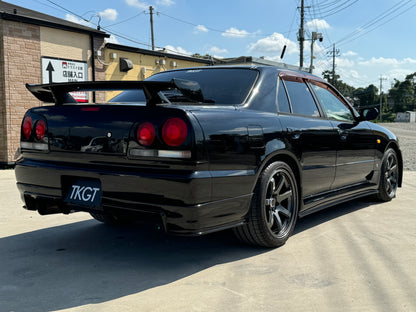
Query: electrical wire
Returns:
{"type": "Point", "coordinates": [69, 11]}
{"type": "Point", "coordinates": [376, 22]}
{"type": "Point", "coordinates": [126, 20]}
{"type": "Point", "coordinates": [214, 29]}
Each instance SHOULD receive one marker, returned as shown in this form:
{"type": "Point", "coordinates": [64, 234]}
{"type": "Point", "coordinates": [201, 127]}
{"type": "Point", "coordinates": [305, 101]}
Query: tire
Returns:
{"type": "Point", "coordinates": [108, 219]}
{"type": "Point", "coordinates": [274, 208]}
{"type": "Point", "coordinates": [389, 176]}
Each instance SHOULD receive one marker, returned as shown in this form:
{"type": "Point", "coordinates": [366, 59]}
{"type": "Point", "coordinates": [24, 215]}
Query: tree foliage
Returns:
{"type": "Point", "coordinates": [403, 94]}
{"type": "Point", "coordinates": [400, 98]}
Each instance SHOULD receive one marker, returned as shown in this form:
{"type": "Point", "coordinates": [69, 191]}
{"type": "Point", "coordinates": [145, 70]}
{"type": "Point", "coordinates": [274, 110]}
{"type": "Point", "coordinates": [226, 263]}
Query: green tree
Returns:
{"type": "Point", "coordinates": [368, 96]}
{"type": "Point", "coordinates": [341, 86]}
{"type": "Point", "coordinates": [403, 94]}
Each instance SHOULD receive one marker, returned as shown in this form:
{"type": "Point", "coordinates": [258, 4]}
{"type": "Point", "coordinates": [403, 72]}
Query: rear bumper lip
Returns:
{"type": "Point", "coordinates": [182, 201]}
{"type": "Point", "coordinates": [189, 220]}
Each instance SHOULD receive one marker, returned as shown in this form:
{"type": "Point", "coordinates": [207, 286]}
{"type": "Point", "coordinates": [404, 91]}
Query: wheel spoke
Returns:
{"type": "Point", "coordinates": [270, 218]}
{"type": "Point", "coordinates": [272, 186]}
{"type": "Point", "coordinates": [392, 170]}
{"type": "Point", "coordinates": [280, 184]}
{"type": "Point", "coordinates": [278, 221]}
{"type": "Point", "coordinates": [284, 196]}
{"type": "Point", "coordinates": [284, 211]}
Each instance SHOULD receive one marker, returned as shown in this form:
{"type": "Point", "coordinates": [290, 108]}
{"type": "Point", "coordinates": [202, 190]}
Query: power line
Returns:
{"type": "Point", "coordinates": [214, 29]}
{"type": "Point", "coordinates": [367, 27]}
{"type": "Point", "coordinates": [69, 11]}
{"type": "Point", "coordinates": [126, 20]}
{"type": "Point", "coordinates": [361, 32]}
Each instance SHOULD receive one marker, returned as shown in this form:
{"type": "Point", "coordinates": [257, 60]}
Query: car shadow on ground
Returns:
{"type": "Point", "coordinates": [330, 213]}
{"type": "Point", "coordinates": [88, 262]}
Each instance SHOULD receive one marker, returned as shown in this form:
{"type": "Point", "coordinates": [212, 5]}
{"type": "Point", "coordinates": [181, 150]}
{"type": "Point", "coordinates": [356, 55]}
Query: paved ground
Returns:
{"type": "Point", "coordinates": [406, 132]}
{"type": "Point", "coordinates": [355, 257]}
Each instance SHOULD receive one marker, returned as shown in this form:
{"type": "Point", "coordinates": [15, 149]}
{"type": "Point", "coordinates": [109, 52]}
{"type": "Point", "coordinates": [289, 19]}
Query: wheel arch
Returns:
{"type": "Point", "coordinates": [288, 158]}
{"type": "Point", "coordinates": [396, 148]}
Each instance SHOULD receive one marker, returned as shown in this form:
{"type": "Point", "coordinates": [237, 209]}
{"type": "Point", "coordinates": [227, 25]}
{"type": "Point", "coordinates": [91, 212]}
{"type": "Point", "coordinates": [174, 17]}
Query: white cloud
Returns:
{"type": "Point", "coordinates": [273, 45]}
{"type": "Point", "coordinates": [380, 61]}
{"type": "Point", "coordinates": [360, 72]}
{"type": "Point", "coordinates": [165, 2]}
{"type": "Point", "coordinates": [200, 29]}
{"type": "Point", "coordinates": [317, 24]}
{"type": "Point", "coordinates": [74, 19]}
{"type": "Point", "coordinates": [138, 4]}
{"type": "Point", "coordinates": [349, 53]}
{"type": "Point", "coordinates": [217, 51]}
{"type": "Point", "coordinates": [109, 14]}
{"type": "Point", "coordinates": [177, 50]}
{"type": "Point", "coordinates": [141, 4]}
{"type": "Point", "coordinates": [235, 33]}
{"type": "Point", "coordinates": [409, 60]}
{"type": "Point", "coordinates": [112, 39]}
{"type": "Point", "coordinates": [344, 62]}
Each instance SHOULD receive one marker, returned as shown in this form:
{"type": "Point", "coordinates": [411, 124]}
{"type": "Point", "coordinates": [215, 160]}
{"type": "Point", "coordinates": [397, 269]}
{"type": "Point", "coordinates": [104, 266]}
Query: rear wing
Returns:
{"type": "Point", "coordinates": [58, 93]}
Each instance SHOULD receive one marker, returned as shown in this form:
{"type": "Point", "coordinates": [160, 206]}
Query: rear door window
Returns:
{"type": "Point", "coordinates": [301, 99]}
{"type": "Point", "coordinates": [282, 100]}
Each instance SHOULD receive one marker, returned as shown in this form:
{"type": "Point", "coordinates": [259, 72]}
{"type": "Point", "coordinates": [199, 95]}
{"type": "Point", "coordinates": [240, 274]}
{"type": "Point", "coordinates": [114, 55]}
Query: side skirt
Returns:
{"type": "Point", "coordinates": [327, 200]}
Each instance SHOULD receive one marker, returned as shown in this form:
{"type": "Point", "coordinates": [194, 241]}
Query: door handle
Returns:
{"type": "Point", "coordinates": [343, 134]}
{"type": "Point", "coordinates": [294, 133]}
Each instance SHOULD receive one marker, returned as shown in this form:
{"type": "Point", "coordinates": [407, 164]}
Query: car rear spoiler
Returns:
{"type": "Point", "coordinates": [58, 93]}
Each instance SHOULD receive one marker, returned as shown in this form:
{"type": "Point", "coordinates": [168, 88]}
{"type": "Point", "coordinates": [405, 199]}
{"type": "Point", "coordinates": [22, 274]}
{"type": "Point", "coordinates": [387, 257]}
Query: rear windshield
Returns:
{"type": "Point", "coordinates": [224, 86]}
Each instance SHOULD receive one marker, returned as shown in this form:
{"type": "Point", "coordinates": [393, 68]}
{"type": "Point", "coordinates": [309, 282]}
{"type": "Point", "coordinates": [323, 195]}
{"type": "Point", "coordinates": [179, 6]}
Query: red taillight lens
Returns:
{"type": "Point", "coordinates": [174, 132]}
{"type": "Point", "coordinates": [40, 129]}
{"type": "Point", "coordinates": [145, 133]}
{"type": "Point", "coordinates": [27, 127]}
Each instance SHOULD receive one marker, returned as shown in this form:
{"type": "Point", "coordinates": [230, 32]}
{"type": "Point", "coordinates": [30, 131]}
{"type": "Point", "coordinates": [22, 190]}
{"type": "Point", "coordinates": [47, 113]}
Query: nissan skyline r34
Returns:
{"type": "Point", "coordinates": [205, 149]}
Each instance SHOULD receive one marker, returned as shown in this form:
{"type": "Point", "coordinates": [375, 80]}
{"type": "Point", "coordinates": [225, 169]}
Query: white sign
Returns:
{"type": "Point", "coordinates": [59, 70]}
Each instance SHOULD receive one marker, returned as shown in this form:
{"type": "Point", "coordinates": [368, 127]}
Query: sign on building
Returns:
{"type": "Point", "coordinates": [61, 70]}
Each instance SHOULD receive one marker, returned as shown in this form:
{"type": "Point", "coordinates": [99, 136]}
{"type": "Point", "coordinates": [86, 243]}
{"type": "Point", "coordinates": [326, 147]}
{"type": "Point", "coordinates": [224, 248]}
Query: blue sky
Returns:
{"type": "Point", "coordinates": [374, 38]}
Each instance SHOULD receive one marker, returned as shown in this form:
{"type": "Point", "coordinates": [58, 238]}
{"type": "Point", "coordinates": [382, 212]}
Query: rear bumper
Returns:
{"type": "Point", "coordinates": [184, 202]}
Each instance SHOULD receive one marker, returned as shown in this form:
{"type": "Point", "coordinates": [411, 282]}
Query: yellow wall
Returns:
{"type": "Point", "coordinates": [59, 43]}
{"type": "Point", "coordinates": [143, 66]}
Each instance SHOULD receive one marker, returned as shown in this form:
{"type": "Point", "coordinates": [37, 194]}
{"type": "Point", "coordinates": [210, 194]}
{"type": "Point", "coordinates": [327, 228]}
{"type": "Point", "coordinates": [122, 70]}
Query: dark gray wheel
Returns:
{"type": "Point", "coordinates": [109, 219]}
{"type": "Point", "coordinates": [274, 208]}
{"type": "Point", "coordinates": [389, 176]}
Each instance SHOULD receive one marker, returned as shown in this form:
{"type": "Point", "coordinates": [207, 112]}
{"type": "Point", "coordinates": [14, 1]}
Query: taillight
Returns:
{"type": "Point", "coordinates": [40, 129]}
{"type": "Point", "coordinates": [27, 127]}
{"type": "Point", "coordinates": [145, 133]}
{"type": "Point", "coordinates": [174, 132]}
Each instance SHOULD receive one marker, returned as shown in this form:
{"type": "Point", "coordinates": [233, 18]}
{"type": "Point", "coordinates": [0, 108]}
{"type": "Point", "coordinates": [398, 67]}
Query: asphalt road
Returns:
{"type": "Point", "coordinates": [358, 256]}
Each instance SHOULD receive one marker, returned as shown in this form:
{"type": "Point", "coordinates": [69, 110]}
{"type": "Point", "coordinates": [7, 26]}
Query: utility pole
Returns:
{"type": "Point", "coordinates": [381, 97]}
{"type": "Point", "coordinates": [301, 36]}
{"type": "Point", "coordinates": [334, 53]}
{"type": "Point", "coordinates": [301, 33]}
{"type": "Point", "coordinates": [151, 27]}
{"type": "Point", "coordinates": [315, 36]}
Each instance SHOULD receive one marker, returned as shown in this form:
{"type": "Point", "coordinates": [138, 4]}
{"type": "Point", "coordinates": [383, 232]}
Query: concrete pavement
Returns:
{"type": "Point", "coordinates": [358, 256]}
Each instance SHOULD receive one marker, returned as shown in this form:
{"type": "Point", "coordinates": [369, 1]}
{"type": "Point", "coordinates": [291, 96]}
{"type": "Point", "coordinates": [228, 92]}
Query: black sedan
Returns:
{"type": "Point", "coordinates": [205, 149]}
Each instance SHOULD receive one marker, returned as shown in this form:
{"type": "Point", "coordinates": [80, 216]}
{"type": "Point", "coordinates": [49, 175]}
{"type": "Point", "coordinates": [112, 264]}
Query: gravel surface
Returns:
{"type": "Point", "coordinates": [406, 132]}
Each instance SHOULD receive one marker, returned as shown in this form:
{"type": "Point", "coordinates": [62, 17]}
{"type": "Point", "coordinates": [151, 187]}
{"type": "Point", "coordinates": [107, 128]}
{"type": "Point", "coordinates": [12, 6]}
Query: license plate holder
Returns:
{"type": "Point", "coordinates": [85, 193]}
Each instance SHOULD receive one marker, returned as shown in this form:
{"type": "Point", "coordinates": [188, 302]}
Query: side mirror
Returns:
{"type": "Point", "coordinates": [369, 114]}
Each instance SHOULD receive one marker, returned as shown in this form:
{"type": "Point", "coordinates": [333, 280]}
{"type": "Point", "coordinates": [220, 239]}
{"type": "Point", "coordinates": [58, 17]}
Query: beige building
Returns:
{"type": "Point", "coordinates": [130, 63]}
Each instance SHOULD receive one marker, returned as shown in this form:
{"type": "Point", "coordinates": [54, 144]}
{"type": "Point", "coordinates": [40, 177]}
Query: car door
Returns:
{"type": "Point", "coordinates": [356, 144]}
{"type": "Point", "coordinates": [311, 137]}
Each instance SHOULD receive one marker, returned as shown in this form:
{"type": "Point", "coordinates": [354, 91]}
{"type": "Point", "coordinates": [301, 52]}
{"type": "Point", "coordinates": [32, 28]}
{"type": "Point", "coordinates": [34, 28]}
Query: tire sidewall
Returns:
{"type": "Point", "coordinates": [383, 195]}
{"type": "Point", "coordinates": [280, 239]}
